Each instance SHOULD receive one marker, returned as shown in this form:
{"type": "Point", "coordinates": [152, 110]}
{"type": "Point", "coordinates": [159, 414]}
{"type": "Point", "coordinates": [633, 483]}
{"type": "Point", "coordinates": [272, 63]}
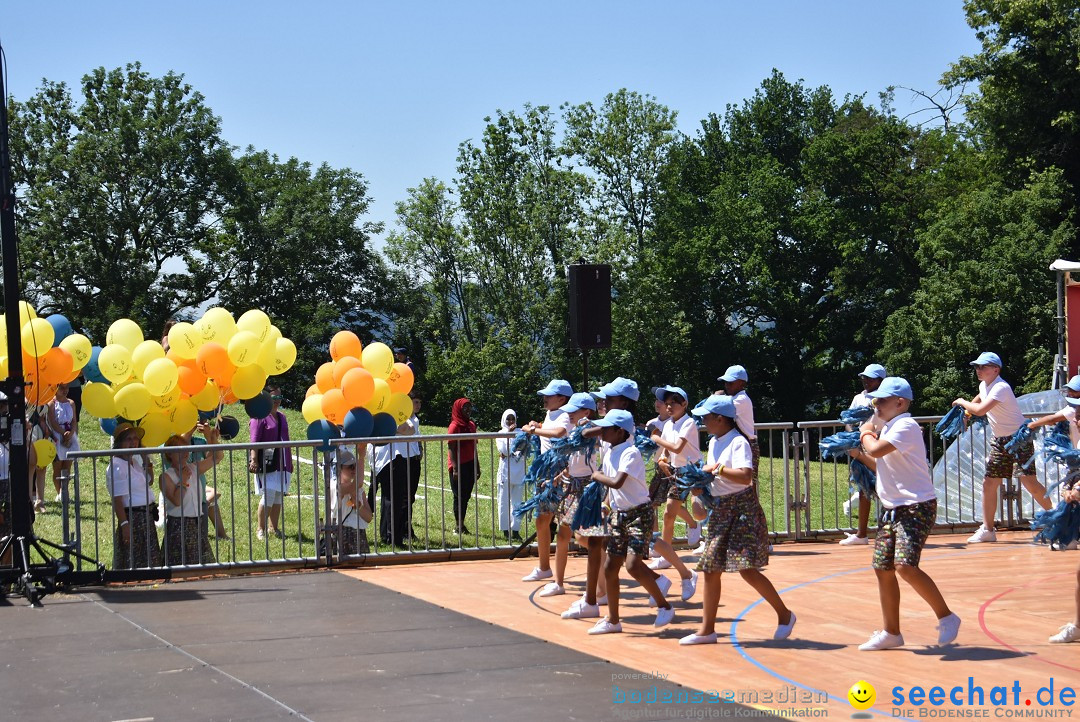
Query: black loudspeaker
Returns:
{"type": "Point", "coordinates": [590, 306]}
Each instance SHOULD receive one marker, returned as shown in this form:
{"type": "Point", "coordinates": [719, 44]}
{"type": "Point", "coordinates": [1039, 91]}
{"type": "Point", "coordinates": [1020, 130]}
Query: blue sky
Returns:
{"type": "Point", "coordinates": [391, 88]}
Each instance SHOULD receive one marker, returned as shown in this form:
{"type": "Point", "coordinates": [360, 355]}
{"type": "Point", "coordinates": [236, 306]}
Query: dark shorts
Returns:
{"type": "Point", "coordinates": [631, 531]}
{"type": "Point", "coordinates": [902, 534]}
{"type": "Point", "coordinates": [737, 534]}
{"type": "Point", "coordinates": [1000, 463]}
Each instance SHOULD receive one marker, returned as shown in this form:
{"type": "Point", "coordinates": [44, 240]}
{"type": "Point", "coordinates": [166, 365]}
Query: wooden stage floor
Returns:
{"type": "Point", "coordinates": [1011, 595]}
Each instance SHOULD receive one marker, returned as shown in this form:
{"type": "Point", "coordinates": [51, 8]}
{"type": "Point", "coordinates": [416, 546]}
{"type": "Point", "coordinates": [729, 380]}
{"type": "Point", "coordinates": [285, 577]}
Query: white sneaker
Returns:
{"type": "Point", "coordinates": [948, 627]}
{"type": "Point", "coordinates": [1071, 546]}
{"type": "Point", "coordinates": [882, 640]}
{"type": "Point", "coordinates": [601, 601]}
{"type": "Point", "coordinates": [700, 549]}
{"type": "Point", "coordinates": [665, 584]}
{"type": "Point", "coordinates": [664, 617]}
{"type": "Point", "coordinates": [537, 574]}
{"type": "Point", "coordinates": [693, 535]}
{"type": "Point", "coordinates": [582, 611]}
{"type": "Point", "coordinates": [689, 586]}
{"type": "Point", "coordinates": [552, 589]}
{"type": "Point", "coordinates": [59, 498]}
{"type": "Point", "coordinates": [698, 639]}
{"type": "Point", "coordinates": [783, 631]}
{"type": "Point", "coordinates": [1068, 633]}
{"type": "Point", "coordinates": [605, 627]}
{"type": "Point", "coordinates": [659, 563]}
{"type": "Point", "coordinates": [853, 540]}
{"type": "Point", "coordinates": [982, 534]}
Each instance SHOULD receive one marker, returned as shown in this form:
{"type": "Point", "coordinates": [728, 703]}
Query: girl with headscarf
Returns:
{"type": "Point", "coordinates": [461, 461]}
{"type": "Point", "coordinates": [511, 479]}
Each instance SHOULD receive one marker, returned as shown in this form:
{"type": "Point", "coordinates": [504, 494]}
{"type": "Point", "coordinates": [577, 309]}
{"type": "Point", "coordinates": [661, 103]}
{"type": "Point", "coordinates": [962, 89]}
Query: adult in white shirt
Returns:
{"type": "Point", "coordinates": [871, 378]}
{"type": "Point", "coordinates": [997, 403]}
{"type": "Point", "coordinates": [129, 479]}
{"type": "Point", "coordinates": [511, 476]}
{"type": "Point", "coordinates": [735, 380]}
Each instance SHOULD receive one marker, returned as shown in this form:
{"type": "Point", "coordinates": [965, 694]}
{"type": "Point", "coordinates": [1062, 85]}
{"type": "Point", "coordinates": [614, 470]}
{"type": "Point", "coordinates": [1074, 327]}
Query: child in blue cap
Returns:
{"type": "Point", "coordinates": [909, 500]}
{"type": "Point", "coordinates": [871, 377]}
{"type": "Point", "coordinates": [556, 425]}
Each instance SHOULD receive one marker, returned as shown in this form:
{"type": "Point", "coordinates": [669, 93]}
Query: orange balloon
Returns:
{"type": "Point", "coordinates": [343, 366]}
{"type": "Point", "coordinates": [229, 397]}
{"type": "Point", "coordinates": [56, 366]}
{"type": "Point", "coordinates": [224, 381]}
{"type": "Point", "coordinates": [334, 406]}
{"type": "Point", "coordinates": [40, 394]}
{"type": "Point", "coordinates": [191, 380]}
{"type": "Point", "coordinates": [400, 379]}
{"type": "Point", "coordinates": [213, 361]}
{"type": "Point", "coordinates": [72, 376]}
{"type": "Point", "coordinates": [324, 377]}
{"type": "Point", "coordinates": [313, 389]}
{"type": "Point", "coordinates": [358, 385]}
{"type": "Point", "coordinates": [345, 344]}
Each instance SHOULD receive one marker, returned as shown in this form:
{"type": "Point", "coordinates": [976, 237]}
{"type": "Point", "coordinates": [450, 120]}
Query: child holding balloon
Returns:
{"type": "Point", "coordinates": [65, 434]}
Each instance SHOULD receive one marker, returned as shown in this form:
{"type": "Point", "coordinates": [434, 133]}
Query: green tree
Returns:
{"type": "Point", "coordinates": [121, 198]}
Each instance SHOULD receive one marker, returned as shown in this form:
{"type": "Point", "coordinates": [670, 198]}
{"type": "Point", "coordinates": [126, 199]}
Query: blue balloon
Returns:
{"type": "Point", "coordinates": [61, 328]}
{"type": "Point", "coordinates": [383, 424]}
{"type": "Point", "coordinates": [108, 426]}
{"type": "Point", "coordinates": [229, 427]}
{"type": "Point", "coordinates": [207, 415]}
{"type": "Point", "coordinates": [358, 423]}
{"type": "Point", "coordinates": [259, 406]}
{"type": "Point", "coordinates": [322, 430]}
{"type": "Point", "coordinates": [91, 370]}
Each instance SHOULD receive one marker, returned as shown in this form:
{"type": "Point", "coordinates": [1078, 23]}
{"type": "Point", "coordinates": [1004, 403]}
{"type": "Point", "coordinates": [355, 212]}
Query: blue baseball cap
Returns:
{"type": "Point", "coordinates": [734, 373]}
{"type": "Point", "coordinates": [578, 402]}
{"type": "Point", "coordinates": [1074, 383]}
{"type": "Point", "coordinates": [715, 404]}
{"type": "Point", "coordinates": [557, 387]}
{"type": "Point", "coordinates": [661, 391]}
{"type": "Point", "coordinates": [893, 386]}
{"type": "Point", "coordinates": [987, 358]}
{"type": "Point", "coordinates": [619, 387]}
{"type": "Point", "coordinates": [1071, 401]}
{"type": "Point", "coordinates": [620, 418]}
{"type": "Point", "coordinates": [874, 371]}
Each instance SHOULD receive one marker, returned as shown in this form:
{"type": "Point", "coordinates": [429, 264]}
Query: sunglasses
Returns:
{"type": "Point", "coordinates": [276, 397]}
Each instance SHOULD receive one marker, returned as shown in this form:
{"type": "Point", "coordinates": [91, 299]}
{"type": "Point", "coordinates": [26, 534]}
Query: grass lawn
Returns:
{"type": "Point", "coordinates": [433, 519]}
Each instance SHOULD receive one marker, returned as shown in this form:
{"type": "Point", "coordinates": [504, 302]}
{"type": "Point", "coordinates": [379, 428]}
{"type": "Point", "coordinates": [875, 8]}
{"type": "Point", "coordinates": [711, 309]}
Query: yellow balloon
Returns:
{"type": "Point", "coordinates": [80, 349]}
{"type": "Point", "coordinates": [380, 398]}
{"type": "Point", "coordinates": [378, 359]}
{"type": "Point", "coordinates": [312, 408]}
{"type": "Point", "coordinates": [114, 362]}
{"type": "Point", "coordinates": [161, 376]}
{"type": "Point", "coordinates": [400, 407]}
{"type": "Point", "coordinates": [184, 416]}
{"type": "Point", "coordinates": [158, 428]}
{"type": "Point", "coordinates": [98, 400]}
{"type": "Point", "coordinates": [166, 402]}
{"type": "Point", "coordinates": [243, 348]}
{"type": "Point", "coordinates": [268, 351]}
{"type": "Point", "coordinates": [124, 332]}
{"type": "Point", "coordinates": [216, 325]}
{"type": "Point", "coordinates": [248, 381]}
{"type": "Point", "coordinates": [143, 354]}
{"type": "Point", "coordinates": [3, 367]}
{"type": "Point", "coordinates": [26, 313]}
{"type": "Point", "coordinates": [184, 340]}
{"type": "Point", "coordinates": [133, 401]}
{"type": "Point", "coordinates": [46, 451]}
{"type": "Point", "coordinates": [207, 399]}
{"type": "Point", "coordinates": [37, 337]}
{"type": "Point", "coordinates": [284, 356]}
{"type": "Point", "coordinates": [256, 322]}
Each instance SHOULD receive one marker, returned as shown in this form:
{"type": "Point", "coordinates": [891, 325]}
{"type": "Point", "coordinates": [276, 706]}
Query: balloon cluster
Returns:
{"type": "Point", "coordinates": [51, 353]}
{"type": "Point", "coordinates": [215, 361]}
{"type": "Point", "coordinates": [360, 389]}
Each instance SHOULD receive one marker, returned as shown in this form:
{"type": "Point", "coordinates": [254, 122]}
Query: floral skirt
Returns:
{"type": "Point", "coordinates": [186, 541]}
{"type": "Point", "coordinates": [737, 535]}
{"type": "Point", "coordinates": [144, 550]}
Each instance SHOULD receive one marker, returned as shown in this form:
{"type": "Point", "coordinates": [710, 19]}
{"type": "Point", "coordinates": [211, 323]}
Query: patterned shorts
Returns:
{"type": "Point", "coordinates": [902, 534]}
{"type": "Point", "coordinates": [999, 463]}
{"type": "Point", "coordinates": [548, 507]}
{"type": "Point", "coordinates": [631, 530]}
{"type": "Point", "coordinates": [755, 456]}
{"type": "Point", "coordinates": [571, 496]}
{"type": "Point", "coordinates": [659, 487]}
{"type": "Point", "coordinates": [737, 534]}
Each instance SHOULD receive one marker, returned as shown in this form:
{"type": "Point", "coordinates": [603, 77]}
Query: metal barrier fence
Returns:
{"type": "Point", "coordinates": [409, 505]}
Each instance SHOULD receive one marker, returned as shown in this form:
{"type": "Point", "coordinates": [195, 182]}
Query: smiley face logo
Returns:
{"type": "Point", "coordinates": [862, 695]}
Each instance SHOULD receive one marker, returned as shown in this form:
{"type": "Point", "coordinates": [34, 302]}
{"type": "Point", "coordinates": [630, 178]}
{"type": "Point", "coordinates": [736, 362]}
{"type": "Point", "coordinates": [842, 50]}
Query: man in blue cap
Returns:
{"type": "Point", "coordinates": [997, 403]}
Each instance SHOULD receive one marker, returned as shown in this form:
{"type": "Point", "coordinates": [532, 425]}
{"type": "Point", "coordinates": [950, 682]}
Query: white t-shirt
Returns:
{"type": "Point", "coordinates": [413, 448]}
{"type": "Point", "coordinates": [341, 512]}
{"type": "Point", "coordinates": [557, 419]}
{"type": "Point", "coordinates": [685, 428]}
{"type": "Point", "coordinates": [634, 491]}
{"type": "Point", "coordinates": [861, 399]}
{"type": "Point", "coordinates": [1005, 418]}
{"type": "Point", "coordinates": [191, 496]}
{"type": "Point", "coordinates": [1069, 412]}
{"type": "Point", "coordinates": [903, 475]}
{"type": "Point", "coordinates": [733, 451]}
{"type": "Point", "coordinates": [744, 414]}
{"type": "Point", "coordinates": [126, 478]}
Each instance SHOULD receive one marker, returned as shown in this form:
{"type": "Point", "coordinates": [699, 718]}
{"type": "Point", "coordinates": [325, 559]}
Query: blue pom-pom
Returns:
{"type": "Point", "coordinates": [548, 493]}
{"type": "Point", "coordinates": [1060, 525]}
{"type": "Point", "coordinates": [693, 476]}
{"type": "Point", "coordinates": [644, 444]}
{"type": "Point", "coordinates": [1020, 440]}
{"type": "Point", "coordinates": [863, 479]}
{"type": "Point", "coordinates": [857, 415]}
{"type": "Point", "coordinates": [837, 445]}
{"type": "Point", "coordinates": [519, 445]}
{"type": "Point", "coordinates": [956, 422]}
{"type": "Point", "coordinates": [590, 508]}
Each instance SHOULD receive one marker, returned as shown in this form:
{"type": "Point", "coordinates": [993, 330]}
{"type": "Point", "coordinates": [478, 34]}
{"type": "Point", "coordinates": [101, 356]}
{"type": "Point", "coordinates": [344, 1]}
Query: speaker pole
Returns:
{"type": "Point", "coordinates": [585, 368]}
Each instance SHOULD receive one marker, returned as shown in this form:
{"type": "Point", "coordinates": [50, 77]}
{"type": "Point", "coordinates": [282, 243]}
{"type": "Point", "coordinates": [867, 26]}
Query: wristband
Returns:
{"type": "Point", "coordinates": [124, 523]}
{"type": "Point", "coordinates": [721, 471]}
